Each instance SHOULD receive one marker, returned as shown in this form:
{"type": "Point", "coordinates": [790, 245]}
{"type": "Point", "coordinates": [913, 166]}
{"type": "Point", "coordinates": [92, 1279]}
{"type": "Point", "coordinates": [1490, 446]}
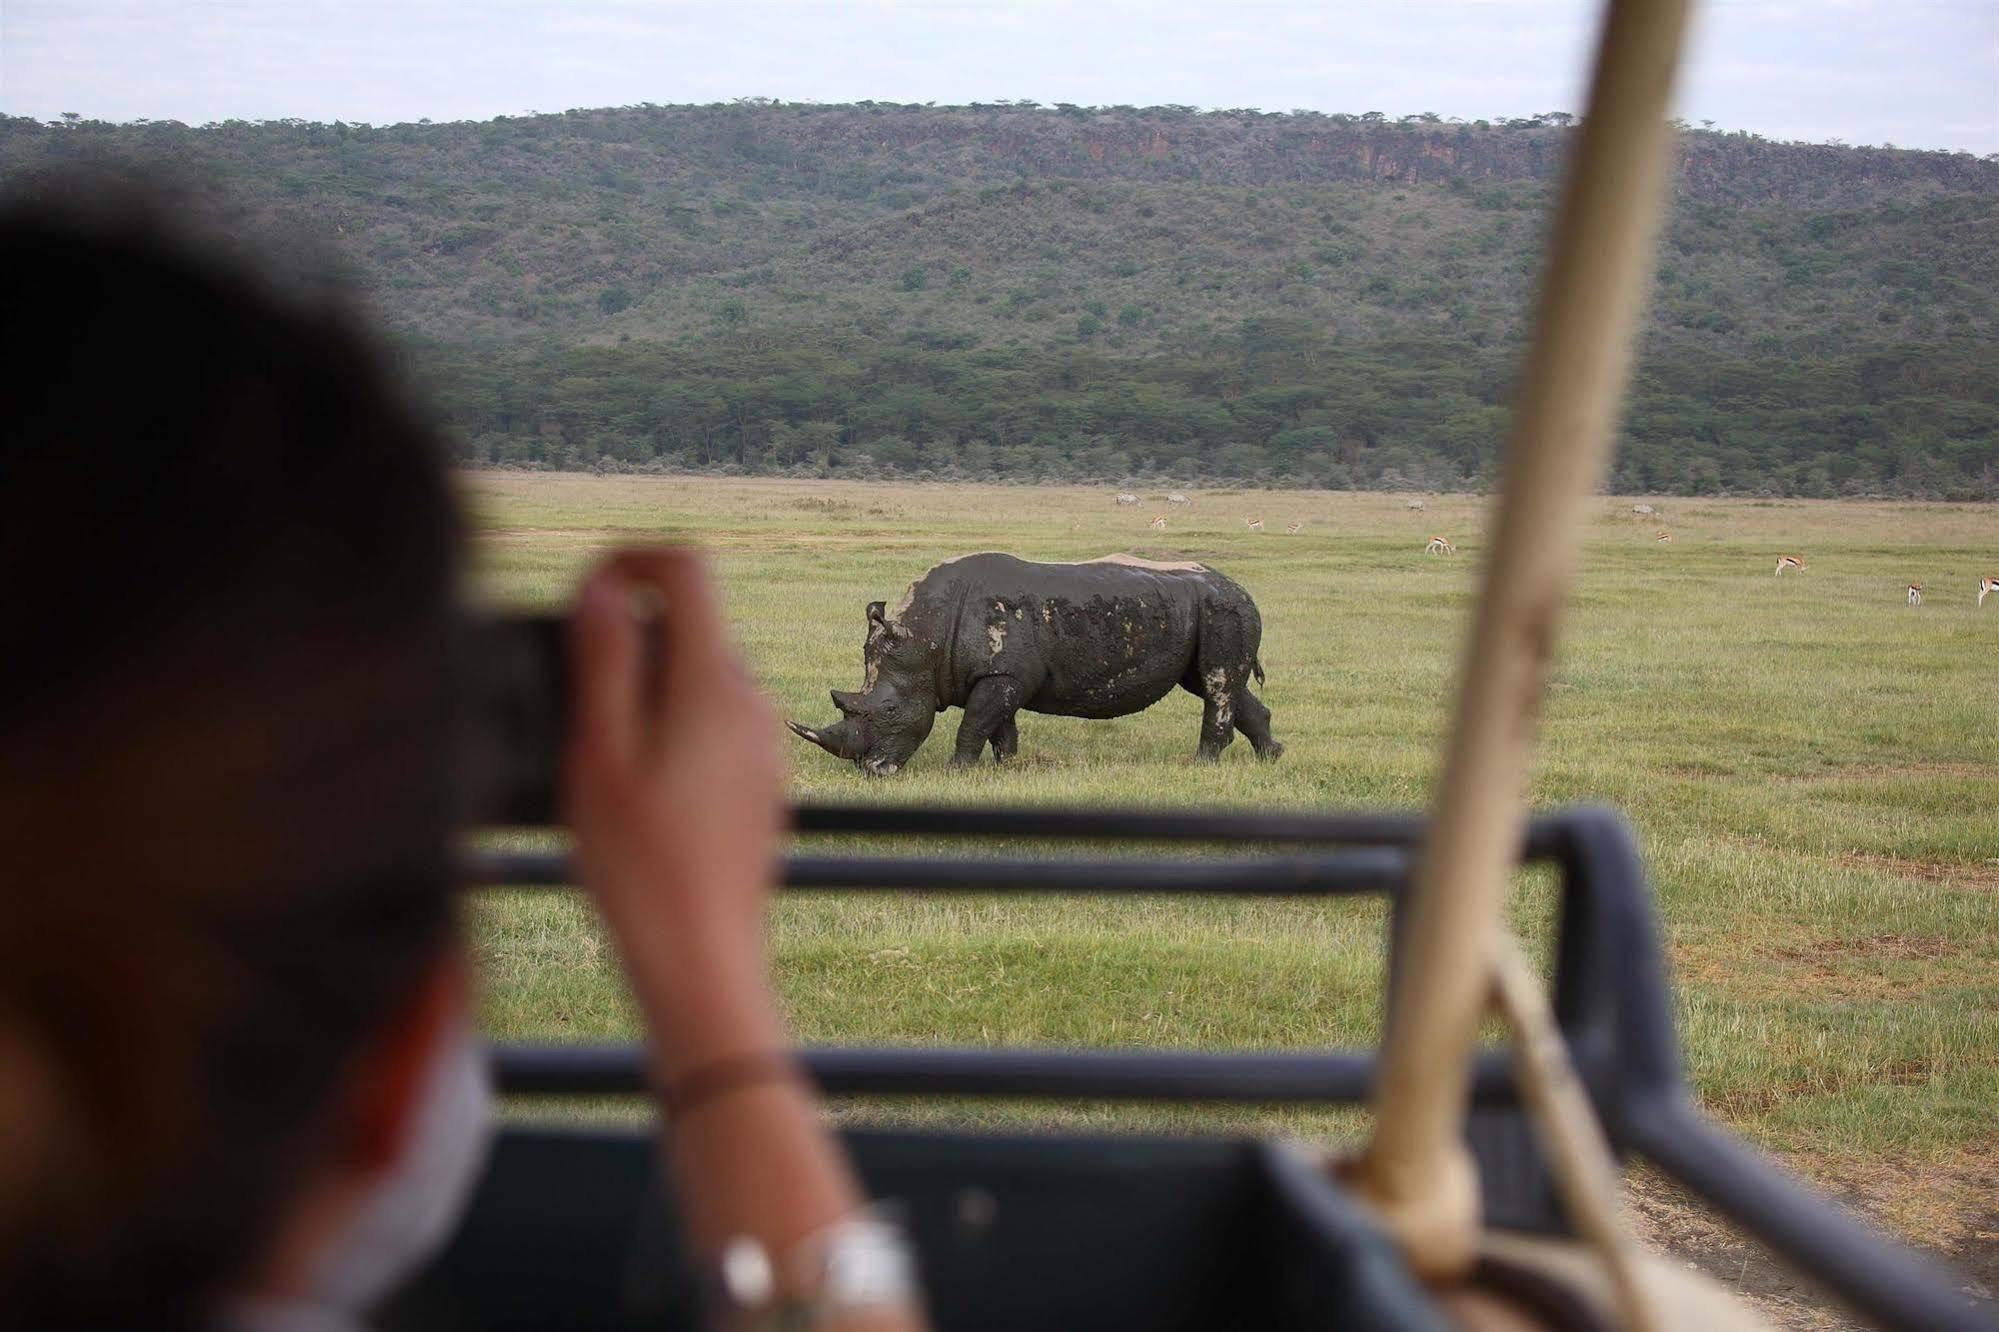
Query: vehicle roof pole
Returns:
{"type": "Point", "coordinates": [1416, 1170]}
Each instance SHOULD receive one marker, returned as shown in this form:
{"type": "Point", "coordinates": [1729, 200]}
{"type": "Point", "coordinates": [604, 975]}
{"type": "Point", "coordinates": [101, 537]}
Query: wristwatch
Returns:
{"type": "Point", "coordinates": [859, 1264]}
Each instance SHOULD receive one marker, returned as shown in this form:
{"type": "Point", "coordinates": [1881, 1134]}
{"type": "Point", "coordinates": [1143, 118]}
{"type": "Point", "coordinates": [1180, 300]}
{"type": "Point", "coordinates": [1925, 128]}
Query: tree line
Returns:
{"type": "Point", "coordinates": [1270, 404]}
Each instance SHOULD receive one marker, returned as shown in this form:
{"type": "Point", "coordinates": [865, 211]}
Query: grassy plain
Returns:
{"type": "Point", "coordinates": [1813, 767]}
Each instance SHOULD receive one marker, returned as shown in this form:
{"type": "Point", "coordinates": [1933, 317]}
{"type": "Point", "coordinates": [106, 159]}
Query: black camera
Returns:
{"type": "Point", "coordinates": [517, 673]}
{"type": "Point", "coordinates": [517, 670]}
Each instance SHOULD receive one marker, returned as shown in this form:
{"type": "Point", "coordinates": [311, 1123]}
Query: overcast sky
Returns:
{"type": "Point", "coordinates": [1917, 73]}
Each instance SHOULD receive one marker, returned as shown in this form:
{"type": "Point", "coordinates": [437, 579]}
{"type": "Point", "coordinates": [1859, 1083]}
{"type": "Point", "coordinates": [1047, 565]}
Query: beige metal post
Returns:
{"type": "Point", "coordinates": [1416, 1170]}
{"type": "Point", "coordinates": [1579, 1156]}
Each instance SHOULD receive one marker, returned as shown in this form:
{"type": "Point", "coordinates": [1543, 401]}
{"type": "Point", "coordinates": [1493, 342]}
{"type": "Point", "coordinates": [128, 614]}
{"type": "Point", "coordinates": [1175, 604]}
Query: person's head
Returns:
{"type": "Point", "coordinates": [228, 761]}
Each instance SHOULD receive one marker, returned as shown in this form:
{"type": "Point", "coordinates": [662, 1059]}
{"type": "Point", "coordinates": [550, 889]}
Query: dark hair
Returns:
{"type": "Point", "coordinates": [227, 754]}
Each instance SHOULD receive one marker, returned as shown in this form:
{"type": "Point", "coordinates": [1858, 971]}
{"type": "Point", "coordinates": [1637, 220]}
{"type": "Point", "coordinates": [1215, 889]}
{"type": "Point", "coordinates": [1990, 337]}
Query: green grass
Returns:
{"type": "Point", "coordinates": [1813, 768]}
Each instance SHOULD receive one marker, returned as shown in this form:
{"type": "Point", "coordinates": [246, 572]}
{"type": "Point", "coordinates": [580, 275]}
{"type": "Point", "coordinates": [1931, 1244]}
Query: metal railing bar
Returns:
{"type": "Point", "coordinates": [1544, 835]}
{"type": "Point", "coordinates": [1341, 1077]}
{"type": "Point", "coordinates": [1111, 824]}
{"type": "Point", "coordinates": [1371, 870]}
{"type": "Point", "coordinates": [1132, 825]}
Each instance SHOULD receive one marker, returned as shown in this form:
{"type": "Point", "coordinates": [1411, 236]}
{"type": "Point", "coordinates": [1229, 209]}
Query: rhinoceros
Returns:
{"type": "Point", "coordinates": [993, 634]}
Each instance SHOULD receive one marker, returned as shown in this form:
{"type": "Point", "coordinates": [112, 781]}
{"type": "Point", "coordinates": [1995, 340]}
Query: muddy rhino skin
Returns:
{"type": "Point", "coordinates": [993, 634]}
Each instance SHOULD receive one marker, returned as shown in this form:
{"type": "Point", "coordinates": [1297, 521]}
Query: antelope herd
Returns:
{"type": "Point", "coordinates": [1912, 592]}
{"type": "Point", "coordinates": [1986, 588]}
{"type": "Point", "coordinates": [1440, 544]}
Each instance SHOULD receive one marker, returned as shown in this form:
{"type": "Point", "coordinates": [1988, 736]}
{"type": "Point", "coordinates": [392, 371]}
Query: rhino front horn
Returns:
{"type": "Point", "coordinates": [837, 739]}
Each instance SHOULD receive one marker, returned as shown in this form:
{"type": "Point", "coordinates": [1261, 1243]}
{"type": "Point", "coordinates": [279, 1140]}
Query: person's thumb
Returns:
{"type": "Point", "coordinates": [693, 643]}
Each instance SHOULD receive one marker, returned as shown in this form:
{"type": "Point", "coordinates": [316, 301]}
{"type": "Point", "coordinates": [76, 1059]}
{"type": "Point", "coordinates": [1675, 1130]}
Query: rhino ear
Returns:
{"type": "Point", "coordinates": [877, 612]}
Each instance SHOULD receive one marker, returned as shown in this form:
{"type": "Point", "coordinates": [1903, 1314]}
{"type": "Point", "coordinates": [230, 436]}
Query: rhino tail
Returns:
{"type": "Point", "coordinates": [1256, 667]}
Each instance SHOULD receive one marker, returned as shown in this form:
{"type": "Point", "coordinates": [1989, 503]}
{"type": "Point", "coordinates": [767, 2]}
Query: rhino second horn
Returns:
{"type": "Point", "coordinates": [847, 703]}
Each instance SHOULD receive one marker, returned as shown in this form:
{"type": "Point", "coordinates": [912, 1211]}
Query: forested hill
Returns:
{"type": "Point", "coordinates": [1109, 293]}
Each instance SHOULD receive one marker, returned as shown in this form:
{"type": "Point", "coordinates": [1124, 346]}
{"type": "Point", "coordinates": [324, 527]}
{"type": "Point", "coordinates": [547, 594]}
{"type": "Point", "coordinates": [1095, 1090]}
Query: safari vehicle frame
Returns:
{"type": "Point", "coordinates": [574, 1221]}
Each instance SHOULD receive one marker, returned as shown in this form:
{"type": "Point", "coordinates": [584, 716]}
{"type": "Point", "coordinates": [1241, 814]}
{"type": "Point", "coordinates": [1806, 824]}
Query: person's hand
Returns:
{"type": "Point", "coordinates": [673, 788]}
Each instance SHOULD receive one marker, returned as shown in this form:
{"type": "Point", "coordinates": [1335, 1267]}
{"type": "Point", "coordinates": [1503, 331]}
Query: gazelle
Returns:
{"type": "Point", "coordinates": [1440, 545]}
{"type": "Point", "coordinates": [1159, 522]}
{"type": "Point", "coordinates": [1915, 594]}
{"type": "Point", "coordinates": [1664, 538]}
{"type": "Point", "coordinates": [1253, 524]}
{"type": "Point", "coordinates": [1986, 585]}
{"type": "Point", "coordinates": [1790, 562]}
{"type": "Point", "coordinates": [1292, 530]}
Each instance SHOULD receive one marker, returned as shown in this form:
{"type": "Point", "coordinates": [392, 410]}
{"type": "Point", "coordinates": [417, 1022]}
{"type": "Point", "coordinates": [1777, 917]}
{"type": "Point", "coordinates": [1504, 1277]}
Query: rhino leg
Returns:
{"type": "Point", "coordinates": [1006, 741]}
{"type": "Point", "coordinates": [989, 710]}
{"type": "Point", "coordinates": [1252, 718]}
{"type": "Point", "coordinates": [1218, 694]}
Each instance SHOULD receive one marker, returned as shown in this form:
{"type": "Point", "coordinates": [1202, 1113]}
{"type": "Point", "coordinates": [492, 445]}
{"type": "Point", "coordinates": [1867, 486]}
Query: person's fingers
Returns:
{"type": "Point", "coordinates": [605, 654]}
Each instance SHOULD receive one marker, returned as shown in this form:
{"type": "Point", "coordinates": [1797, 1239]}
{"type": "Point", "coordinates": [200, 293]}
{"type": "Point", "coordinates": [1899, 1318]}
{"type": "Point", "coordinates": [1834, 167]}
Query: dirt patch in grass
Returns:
{"type": "Point", "coordinates": [1855, 968]}
{"type": "Point", "coordinates": [833, 508]}
{"type": "Point", "coordinates": [1703, 966]}
{"type": "Point", "coordinates": [1951, 1210]}
{"type": "Point", "coordinates": [871, 539]}
{"type": "Point", "coordinates": [1740, 1103]}
{"type": "Point", "coordinates": [1880, 947]}
{"type": "Point", "coordinates": [1887, 772]}
{"type": "Point", "coordinates": [1699, 770]}
{"type": "Point", "coordinates": [1734, 765]}
{"type": "Point", "coordinates": [1737, 1104]}
{"type": "Point", "coordinates": [1956, 875]}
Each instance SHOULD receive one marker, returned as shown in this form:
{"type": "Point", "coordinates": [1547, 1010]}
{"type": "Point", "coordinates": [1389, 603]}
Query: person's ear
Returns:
{"type": "Point", "coordinates": [386, 1078]}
